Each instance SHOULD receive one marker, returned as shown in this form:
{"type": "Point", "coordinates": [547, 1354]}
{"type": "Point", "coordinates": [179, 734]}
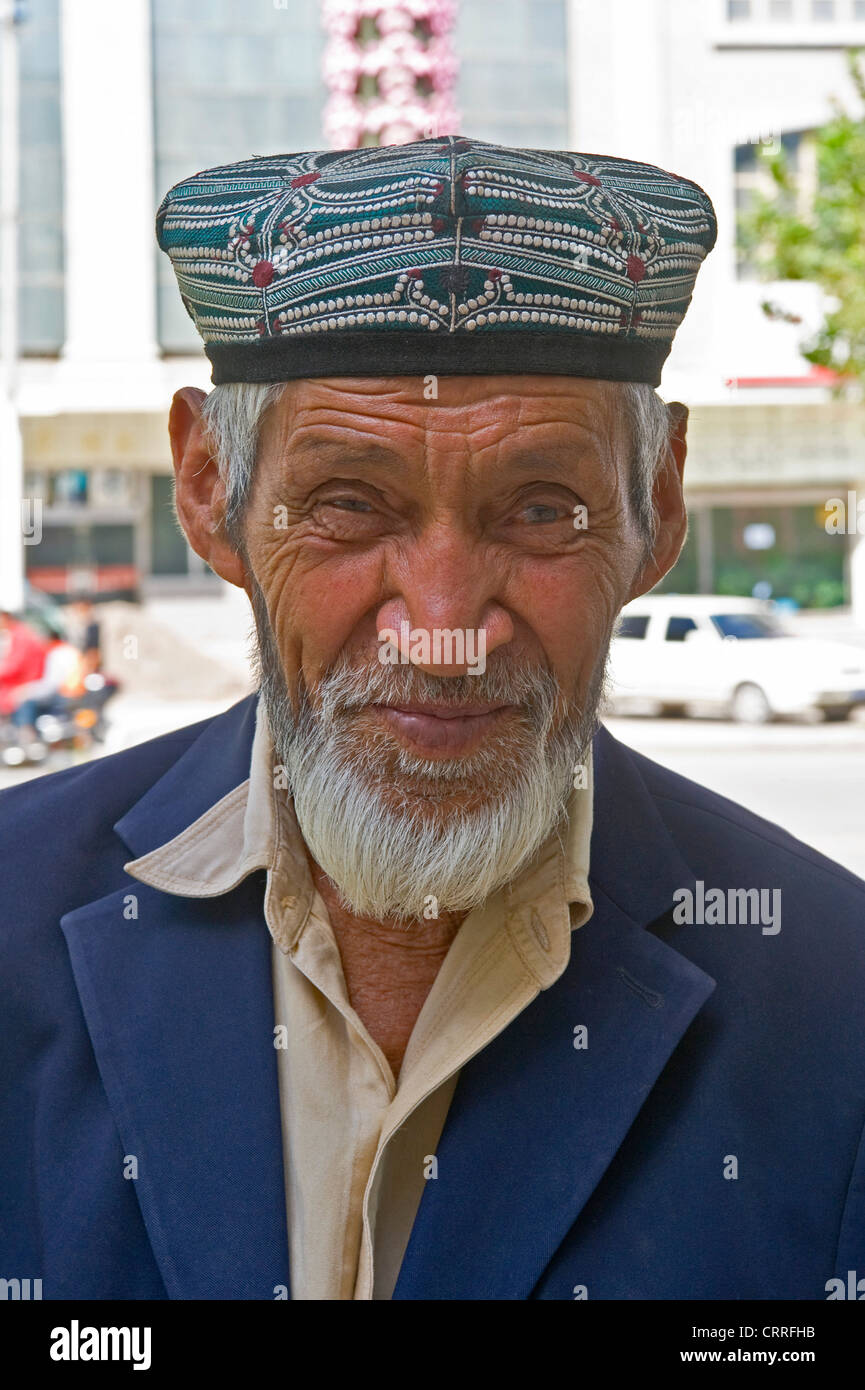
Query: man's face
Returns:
{"type": "Point", "coordinates": [498, 509]}
{"type": "Point", "coordinates": [373, 505]}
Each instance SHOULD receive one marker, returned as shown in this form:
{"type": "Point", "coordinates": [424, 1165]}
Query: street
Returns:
{"type": "Point", "coordinates": [810, 779]}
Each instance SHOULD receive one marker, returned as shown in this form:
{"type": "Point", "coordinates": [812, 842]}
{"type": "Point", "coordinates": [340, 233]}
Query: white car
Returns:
{"type": "Point", "coordinates": [730, 656]}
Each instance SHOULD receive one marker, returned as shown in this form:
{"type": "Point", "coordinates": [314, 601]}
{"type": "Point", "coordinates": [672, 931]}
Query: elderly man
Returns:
{"type": "Point", "coordinates": [385, 983]}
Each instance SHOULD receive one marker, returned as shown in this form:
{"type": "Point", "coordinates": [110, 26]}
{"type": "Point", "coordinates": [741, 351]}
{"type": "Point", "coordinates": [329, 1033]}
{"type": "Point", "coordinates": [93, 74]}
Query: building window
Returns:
{"type": "Point", "coordinates": [859, 9]}
{"type": "Point", "coordinates": [806, 566]}
{"type": "Point", "coordinates": [169, 553]}
{"type": "Point", "coordinates": [823, 9]}
{"type": "Point", "coordinates": [228, 82]}
{"type": "Point", "coordinates": [738, 9]}
{"type": "Point", "coordinates": [40, 248]}
{"type": "Point", "coordinates": [751, 179]}
{"type": "Point", "coordinates": [781, 9]}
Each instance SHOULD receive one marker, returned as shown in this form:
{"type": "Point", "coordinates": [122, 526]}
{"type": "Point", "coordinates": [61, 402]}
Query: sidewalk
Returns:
{"type": "Point", "coordinates": [185, 649]}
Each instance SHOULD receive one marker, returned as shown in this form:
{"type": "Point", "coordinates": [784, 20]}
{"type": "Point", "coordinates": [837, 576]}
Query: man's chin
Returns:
{"type": "Point", "coordinates": [392, 831]}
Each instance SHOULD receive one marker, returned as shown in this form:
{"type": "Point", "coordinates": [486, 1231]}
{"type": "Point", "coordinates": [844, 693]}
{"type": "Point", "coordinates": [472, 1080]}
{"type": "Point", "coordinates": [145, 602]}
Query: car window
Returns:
{"type": "Point", "coordinates": [744, 625]}
{"type": "Point", "coordinates": [633, 625]}
{"type": "Point", "coordinates": [677, 628]}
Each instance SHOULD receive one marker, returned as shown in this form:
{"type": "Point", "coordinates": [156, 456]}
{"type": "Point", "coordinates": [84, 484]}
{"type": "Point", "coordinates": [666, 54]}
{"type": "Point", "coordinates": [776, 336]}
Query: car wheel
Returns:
{"type": "Point", "coordinates": [836, 713]}
{"type": "Point", "coordinates": [750, 706]}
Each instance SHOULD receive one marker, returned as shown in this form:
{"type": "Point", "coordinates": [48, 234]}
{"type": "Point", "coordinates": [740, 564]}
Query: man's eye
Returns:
{"type": "Point", "coordinates": [348, 504]}
{"type": "Point", "coordinates": [539, 513]}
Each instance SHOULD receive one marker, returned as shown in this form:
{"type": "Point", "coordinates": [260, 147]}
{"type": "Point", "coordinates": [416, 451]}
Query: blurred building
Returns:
{"type": "Point", "coordinates": [119, 101]}
{"type": "Point", "coordinates": [697, 88]}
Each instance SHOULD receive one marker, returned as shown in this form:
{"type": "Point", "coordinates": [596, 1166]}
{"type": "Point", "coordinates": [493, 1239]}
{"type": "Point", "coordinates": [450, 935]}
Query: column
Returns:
{"type": "Point", "coordinates": [107, 104]}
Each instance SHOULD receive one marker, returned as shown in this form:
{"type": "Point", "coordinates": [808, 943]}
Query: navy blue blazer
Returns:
{"type": "Point", "coordinates": [705, 1144]}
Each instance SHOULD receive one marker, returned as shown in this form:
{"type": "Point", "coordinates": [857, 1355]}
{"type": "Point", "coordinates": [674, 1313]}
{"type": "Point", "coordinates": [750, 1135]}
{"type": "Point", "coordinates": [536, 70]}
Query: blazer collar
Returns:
{"type": "Point", "coordinates": [213, 765]}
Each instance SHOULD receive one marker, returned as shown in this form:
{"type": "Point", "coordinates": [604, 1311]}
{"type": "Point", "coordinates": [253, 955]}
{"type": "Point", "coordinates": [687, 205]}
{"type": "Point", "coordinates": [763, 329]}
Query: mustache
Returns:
{"type": "Point", "coordinates": [346, 687]}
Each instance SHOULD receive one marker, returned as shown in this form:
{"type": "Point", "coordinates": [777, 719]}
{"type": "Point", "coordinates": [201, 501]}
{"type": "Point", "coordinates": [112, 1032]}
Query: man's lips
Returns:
{"type": "Point", "coordinates": [474, 711]}
{"type": "Point", "coordinates": [448, 729]}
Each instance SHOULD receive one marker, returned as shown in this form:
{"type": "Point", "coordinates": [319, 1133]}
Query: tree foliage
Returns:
{"type": "Point", "coordinates": [824, 242]}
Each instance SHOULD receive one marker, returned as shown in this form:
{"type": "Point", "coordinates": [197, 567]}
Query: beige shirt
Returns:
{"type": "Point", "coordinates": [358, 1148]}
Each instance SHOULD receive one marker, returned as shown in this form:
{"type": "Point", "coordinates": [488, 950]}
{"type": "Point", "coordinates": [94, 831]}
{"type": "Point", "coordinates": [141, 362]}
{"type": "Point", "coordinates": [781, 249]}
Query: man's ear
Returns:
{"type": "Point", "coordinates": [199, 491]}
{"type": "Point", "coordinates": [669, 506]}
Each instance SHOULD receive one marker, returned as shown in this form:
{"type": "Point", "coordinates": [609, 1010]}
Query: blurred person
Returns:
{"type": "Point", "coordinates": [85, 631]}
{"type": "Point", "coordinates": [60, 684]}
{"type": "Point", "coordinates": [403, 978]}
{"type": "Point", "coordinates": [22, 658]}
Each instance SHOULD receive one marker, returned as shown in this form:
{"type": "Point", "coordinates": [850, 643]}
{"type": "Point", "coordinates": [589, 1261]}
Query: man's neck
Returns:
{"type": "Point", "coordinates": [389, 966]}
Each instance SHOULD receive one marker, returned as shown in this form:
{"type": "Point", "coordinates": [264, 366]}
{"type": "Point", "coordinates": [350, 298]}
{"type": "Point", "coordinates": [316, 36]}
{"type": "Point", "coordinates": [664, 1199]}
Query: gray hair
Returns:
{"type": "Point", "coordinates": [233, 415]}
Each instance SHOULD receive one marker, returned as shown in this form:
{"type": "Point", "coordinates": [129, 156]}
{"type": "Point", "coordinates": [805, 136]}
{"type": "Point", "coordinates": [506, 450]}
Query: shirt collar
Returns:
{"type": "Point", "coordinates": [254, 828]}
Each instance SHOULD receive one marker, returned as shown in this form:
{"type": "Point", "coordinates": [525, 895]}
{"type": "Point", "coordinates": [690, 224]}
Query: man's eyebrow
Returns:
{"type": "Point", "coordinates": [347, 453]}
{"type": "Point", "coordinates": [561, 457]}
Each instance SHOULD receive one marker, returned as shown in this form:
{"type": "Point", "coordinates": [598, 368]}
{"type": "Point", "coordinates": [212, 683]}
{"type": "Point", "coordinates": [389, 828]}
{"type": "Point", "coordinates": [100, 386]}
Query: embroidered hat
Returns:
{"type": "Point", "coordinates": [445, 256]}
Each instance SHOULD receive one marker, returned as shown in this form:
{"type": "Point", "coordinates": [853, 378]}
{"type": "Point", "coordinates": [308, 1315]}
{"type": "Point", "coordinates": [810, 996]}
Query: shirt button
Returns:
{"type": "Point", "coordinates": [289, 902]}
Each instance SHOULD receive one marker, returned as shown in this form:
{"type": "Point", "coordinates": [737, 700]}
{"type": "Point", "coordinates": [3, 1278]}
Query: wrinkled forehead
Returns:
{"type": "Point", "coordinates": [460, 404]}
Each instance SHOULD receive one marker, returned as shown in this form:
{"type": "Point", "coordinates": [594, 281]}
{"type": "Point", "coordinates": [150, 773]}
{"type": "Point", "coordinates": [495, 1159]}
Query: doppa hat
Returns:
{"type": "Point", "coordinates": [446, 256]}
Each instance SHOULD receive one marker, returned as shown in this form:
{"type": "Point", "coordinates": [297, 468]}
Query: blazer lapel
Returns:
{"type": "Point", "coordinates": [535, 1122]}
{"type": "Point", "coordinates": [178, 1003]}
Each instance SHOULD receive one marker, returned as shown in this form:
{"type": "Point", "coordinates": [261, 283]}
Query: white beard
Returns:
{"type": "Point", "coordinates": [394, 831]}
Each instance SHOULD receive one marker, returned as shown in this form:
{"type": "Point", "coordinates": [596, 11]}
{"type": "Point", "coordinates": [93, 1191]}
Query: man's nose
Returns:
{"type": "Point", "coordinates": [443, 613]}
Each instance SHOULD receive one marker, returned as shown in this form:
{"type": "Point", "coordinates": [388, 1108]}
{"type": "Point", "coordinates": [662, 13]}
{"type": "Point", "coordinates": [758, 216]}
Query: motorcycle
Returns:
{"type": "Point", "coordinates": [78, 727]}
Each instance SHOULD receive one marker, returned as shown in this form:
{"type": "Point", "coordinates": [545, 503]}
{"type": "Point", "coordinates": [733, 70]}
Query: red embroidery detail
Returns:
{"type": "Point", "coordinates": [262, 274]}
{"type": "Point", "coordinates": [438, 224]}
{"type": "Point", "coordinates": [615, 224]}
{"type": "Point", "coordinates": [636, 268]}
{"type": "Point", "coordinates": [494, 275]}
{"type": "Point", "coordinates": [262, 327]}
{"type": "Point", "coordinates": [414, 274]}
{"type": "Point", "coordinates": [303, 179]}
{"type": "Point", "coordinates": [587, 178]}
{"type": "Point", "coordinates": [246, 230]}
